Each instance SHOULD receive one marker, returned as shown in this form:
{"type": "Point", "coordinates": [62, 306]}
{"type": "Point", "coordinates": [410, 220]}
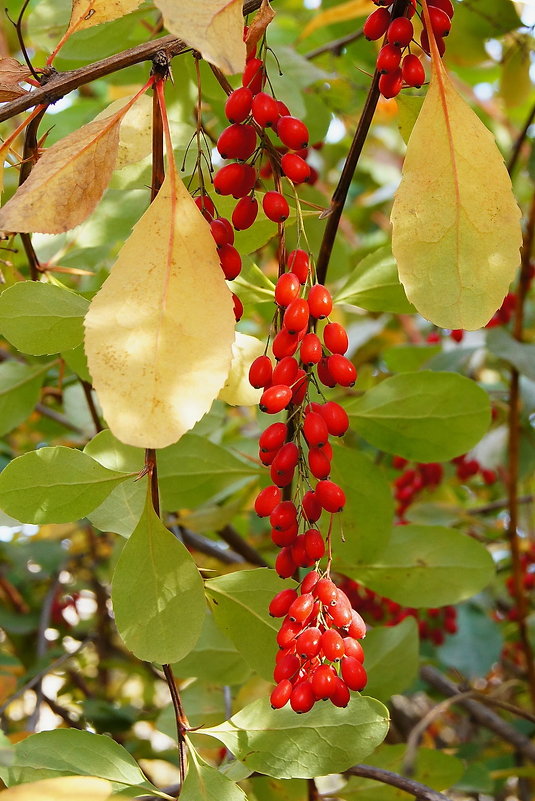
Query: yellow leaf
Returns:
{"type": "Point", "coordinates": [237, 390]}
{"type": "Point", "coordinates": [159, 333]}
{"type": "Point", "coordinates": [515, 82]}
{"type": "Point", "coordinates": [213, 27]}
{"type": "Point", "coordinates": [135, 137]}
{"type": "Point", "coordinates": [64, 788]}
{"type": "Point", "coordinates": [456, 225]}
{"type": "Point", "coordinates": [86, 13]}
{"type": "Point", "coordinates": [340, 13]}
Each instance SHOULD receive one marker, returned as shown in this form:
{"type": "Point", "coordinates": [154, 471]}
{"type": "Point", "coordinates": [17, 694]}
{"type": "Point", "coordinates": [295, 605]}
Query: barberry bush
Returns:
{"type": "Point", "coordinates": [267, 390]}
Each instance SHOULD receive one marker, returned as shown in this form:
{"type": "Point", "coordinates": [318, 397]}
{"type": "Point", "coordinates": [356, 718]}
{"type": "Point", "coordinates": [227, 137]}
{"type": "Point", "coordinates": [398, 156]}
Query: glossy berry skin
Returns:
{"type": "Point", "coordinates": [311, 350]}
{"type": "Point", "coordinates": [285, 344]}
{"type": "Point", "coordinates": [295, 168]}
{"type": "Point", "coordinates": [323, 682]}
{"type": "Point", "coordinates": [324, 375]}
{"type": "Point", "coordinates": [310, 581]}
{"type": "Point", "coordinates": [332, 645]}
{"type": "Point", "coordinates": [219, 233]}
{"type": "Point", "coordinates": [282, 601]}
{"type": "Point", "coordinates": [299, 263]}
{"type": "Point", "coordinates": [275, 206]}
{"type": "Point", "coordinates": [353, 673]}
{"type": "Point", "coordinates": [377, 24]}
{"type": "Point", "coordinates": [335, 417]}
{"type": "Point", "coordinates": [331, 496]}
{"type": "Point", "coordinates": [281, 694]}
{"type": "Point", "coordinates": [286, 458]}
{"type": "Point", "coordinates": [260, 372]}
{"type": "Point", "coordinates": [326, 591]}
{"type": "Point", "coordinates": [292, 132]}
{"type": "Point", "coordinates": [237, 307]}
{"type": "Point", "coordinates": [296, 316]}
{"type": "Point", "coordinates": [342, 370]}
{"type": "Point", "coordinates": [275, 399]}
{"type": "Point", "coordinates": [440, 21]}
{"type": "Point", "coordinates": [235, 179]}
{"type": "Point", "coordinates": [302, 698]}
{"type": "Point", "coordinates": [230, 261]}
{"type": "Point", "coordinates": [283, 515]}
{"type": "Point", "coordinates": [357, 628]}
{"type": "Point", "coordinates": [206, 206]}
{"type": "Point", "coordinates": [353, 648]}
{"type": "Point", "coordinates": [388, 59]}
{"type": "Point", "coordinates": [315, 430]}
{"type": "Point", "coordinates": [340, 695]}
{"type": "Point", "coordinates": [287, 289]}
{"type": "Point", "coordinates": [301, 608]}
{"type": "Point", "coordinates": [335, 338]}
{"type": "Point", "coordinates": [311, 507]}
{"type": "Point", "coordinates": [391, 84]}
{"type": "Point", "coordinates": [265, 110]}
{"type": "Point", "coordinates": [299, 388]}
{"type": "Point", "coordinates": [320, 301]}
{"type": "Point", "coordinates": [308, 643]}
{"type": "Point", "coordinates": [400, 32]}
{"type": "Point", "coordinates": [244, 213]}
{"type": "Point", "coordinates": [319, 463]}
{"type": "Point", "coordinates": [285, 371]}
{"type": "Point", "coordinates": [412, 71]}
{"type": "Point", "coordinates": [287, 667]}
{"type": "Point", "coordinates": [314, 545]}
{"type": "Point", "coordinates": [266, 500]}
{"type": "Point", "coordinates": [285, 567]}
{"type": "Point", "coordinates": [445, 5]}
{"type": "Point", "coordinates": [254, 75]}
{"type": "Point", "coordinates": [237, 142]}
{"type": "Point", "coordinates": [238, 105]}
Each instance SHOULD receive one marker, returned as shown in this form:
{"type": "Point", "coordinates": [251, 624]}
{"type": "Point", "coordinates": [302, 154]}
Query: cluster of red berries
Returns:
{"type": "Point", "coordinates": [466, 468]}
{"type": "Point", "coordinates": [318, 635]}
{"type": "Point", "coordinates": [398, 67]}
{"type": "Point", "coordinates": [433, 624]}
{"type": "Point", "coordinates": [527, 563]}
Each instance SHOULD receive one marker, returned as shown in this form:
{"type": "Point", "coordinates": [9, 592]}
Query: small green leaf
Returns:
{"type": "Point", "coordinates": [157, 593]}
{"type": "Point", "coordinates": [427, 566]}
{"type": "Point", "coordinates": [20, 389]}
{"type": "Point", "coordinates": [520, 355]}
{"type": "Point", "coordinates": [325, 740]}
{"type": "Point", "coordinates": [240, 603]}
{"type": "Point", "coordinates": [385, 646]}
{"type": "Point", "coordinates": [204, 783]}
{"type": "Point", "coordinates": [427, 416]}
{"type": "Point", "coordinates": [55, 485]}
{"type": "Point", "coordinates": [214, 658]}
{"type": "Point", "coordinates": [374, 285]}
{"type": "Point", "coordinates": [40, 318]}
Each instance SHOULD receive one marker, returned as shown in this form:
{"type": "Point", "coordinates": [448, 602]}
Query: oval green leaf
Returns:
{"type": "Point", "coordinates": [374, 285]}
{"type": "Point", "coordinates": [385, 646]}
{"type": "Point", "coordinates": [20, 389]}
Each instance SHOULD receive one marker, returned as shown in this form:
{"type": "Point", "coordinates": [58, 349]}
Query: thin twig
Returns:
{"type": "Point", "coordinates": [520, 141]}
{"type": "Point", "coordinates": [180, 720]}
{"type": "Point", "coordinates": [501, 503]}
{"type": "Point", "coordinates": [203, 545]}
{"type": "Point", "coordinates": [335, 47]}
{"type": "Point", "coordinates": [88, 392]}
{"type": "Point", "coordinates": [229, 535]}
{"type": "Point", "coordinates": [416, 789]}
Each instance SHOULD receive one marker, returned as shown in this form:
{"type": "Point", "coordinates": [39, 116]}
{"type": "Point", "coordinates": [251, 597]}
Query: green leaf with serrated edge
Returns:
{"type": "Point", "coordinates": [522, 356]}
{"type": "Point", "coordinates": [427, 416]}
{"type": "Point", "coordinates": [70, 752]}
{"type": "Point", "coordinates": [205, 783]}
{"type": "Point", "coordinates": [156, 583]}
{"type": "Point", "coordinates": [239, 602]}
{"type": "Point", "coordinates": [426, 566]}
{"type": "Point", "coordinates": [369, 508]}
{"type": "Point", "coordinates": [41, 318]}
{"type": "Point", "coordinates": [20, 389]}
{"type": "Point", "coordinates": [374, 285]}
{"type": "Point", "coordinates": [55, 485]}
{"type": "Point", "coordinates": [433, 768]}
{"type": "Point", "coordinates": [385, 646]}
{"type": "Point", "coordinates": [214, 658]}
{"type": "Point", "coordinates": [327, 739]}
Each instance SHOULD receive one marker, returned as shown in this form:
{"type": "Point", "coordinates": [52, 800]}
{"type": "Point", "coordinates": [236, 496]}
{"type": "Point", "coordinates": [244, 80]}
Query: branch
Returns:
{"type": "Point", "coordinates": [416, 789]}
{"type": "Point", "coordinates": [204, 545]}
{"type": "Point", "coordinates": [229, 535]}
{"type": "Point", "coordinates": [336, 46]}
{"type": "Point", "coordinates": [520, 141]}
{"type": "Point", "coordinates": [62, 83]}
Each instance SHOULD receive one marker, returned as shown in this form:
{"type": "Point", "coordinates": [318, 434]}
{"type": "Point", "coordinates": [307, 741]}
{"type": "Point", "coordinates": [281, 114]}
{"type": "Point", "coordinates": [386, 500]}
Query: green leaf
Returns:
{"type": "Point", "coordinates": [473, 626]}
{"type": "Point", "coordinates": [374, 285]}
{"type": "Point", "coordinates": [476, 22]}
{"type": "Point", "coordinates": [40, 318]}
{"type": "Point", "coordinates": [325, 740]}
{"type": "Point", "coordinates": [520, 355]}
{"type": "Point", "coordinates": [427, 566]}
{"type": "Point", "coordinates": [70, 752]}
{"type": "Point", "coordinates": [20, 389]}
{"type": "Point", "coordinates": [369, 509]}
{"type": "Point", "coordinates": [157, 593]}
{"type": "Point", "coordinates": [386, 646]}
{"type": "Point", "coordinates": [427, 416]}
{"type": "Point", "coordinates": [55, 485]}
{"type": "Point", "coordinates": [405, 358]}
{"type": "Point", "coordinates": [204, 783]}
{"type": "Point", "coordinates": [214, 658]}
{"type": "Point", "coordinates": [240, 603]}
{"type": "Point", "coordinates": [77, 361]}
{"type": "Point", "coordinates": [204, 705]}
{"type": "Point", "coordinates": [408, 109]}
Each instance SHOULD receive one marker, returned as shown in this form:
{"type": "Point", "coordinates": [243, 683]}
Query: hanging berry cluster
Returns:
{"type": "Point", "coordinates": [398, 67]}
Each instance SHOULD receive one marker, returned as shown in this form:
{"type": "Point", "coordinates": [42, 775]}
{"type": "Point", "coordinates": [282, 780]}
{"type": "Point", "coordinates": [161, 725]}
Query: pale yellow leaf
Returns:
{"type": "Point", "coordinates": [456, 225]}
{"type": "Point", "coordinates": [213, 27]}
{"type": "Point", "coordinates": [63, 788]}
{"type": "Point", "coordinates": [159, 333]}
{"type": "Point", "coordinates": [67, 182]}
{"type": "Point", "coordinates": [340, 13]}
{"type": "Point", "coordinates": [11, 73]}
{"type": "Point", "coordinates": [135, 136]}
{"type": "Point", "coordinates": [237, 390]}
{"type": "Point", "coordinates": [86, 13]}
{"type": "Point", "coordinates": [258, 26]}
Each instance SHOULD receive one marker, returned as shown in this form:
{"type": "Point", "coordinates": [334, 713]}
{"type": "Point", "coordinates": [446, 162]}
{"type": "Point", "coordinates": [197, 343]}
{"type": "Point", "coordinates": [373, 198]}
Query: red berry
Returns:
{"type": "Point", "coordinates": [283, 515]}
{"type": "Point", "coordinates": [342, 370]}
{"type": "Point", "coordinates": [289, 630]}
{"type": "Point", "coordinates": [280, 604]}
{"type": "Point", "coordinates": [323, 683]}
{"type": "Point", "coordinates": [286, 458]}
{"type": "Point", "coordinates": [295, 168]}
{"type": "Point", "coordinates": [284, 344]}
{"type": "Point", "coordinates": [353, 648]}
{"type": "Point", "coordinates": [413, 73]}
{"type": "Point", "coordinates": [265, 110]}
{"type": "Point", "coordinates": [390, 85]}
{"type": "Point", "coordinates": [301, 608]}
{"type": "Point", "coordinates": [324, 375]}
{"type": "Point", "coordinates": [315, 430]}
{"type": "Point", "coordinates": [424, 42]}
{"type": "Point", "coordinates": [260, 372]}
{"type": "Point", "coordinates": [237, 142]}
{"type": "Point", "coordinates": [285, 567]}
{"type": "Point", "coordinates": [440, 22]}
{"type": "Point", "coordinates": [254, 75]}
{"type": "Point", "coordinates": [219, 232]}
{"type": "Point", "coordinates": [319, 463]}
{"type": "Point", "coordinates": [281, 694]}
{"type": "Point", "coordinates": [357, 628]}
{"type": "Point", "coordinates": [376, 25]}
{"type": "Point", "coordinates": [311, 507]}
{"type": "Point", "coordinates": [266, 500]}
{"type": "Point", "coordinates": [276, 398]}
{"type": "Point", "coordinates": [311, 350]}
{"type": "Point", "coordinates": [445, 5]}
{"type": "Point", "coordinates": [284, 111]}
{"type": "Point", "coordinates": [286, 289]}
{"type": "Point", "coordinates": [299, 264]}
{"type": "Point", "coordinates": [296, 316]}
{"type": "Point", "coordinates": [292, 132]}
{"type": "Point", "coordinates": [285, 536]}
{"type": "Point", "coordinates": [335, 338]}
{"type": "Point", "coordinates": [302, 698]}
{"type": "Point", "coordinates": [299, 388]}
{"type": "Point", "coordinates": [206, 206]}
{"type": "Point", "coordinates": [238, 105]}
{"type": "Point", "coordinates": [285, 371]}
{"type": "Point", "coordinates": [287, 667]}
{"type": "Point", "coordinates": [320, 301]}
{"type": "Point", "coordinates": [244, 213]}
{"type": "Point", "coordinates": [230, 261]}
{"type": "Point", "coordinates": [340, 696]}
{"type": "Point", "coordinates": [341, 612]}
{"type": "Point", "coordinates": [332, 645]}
{"type": "Point", "coordinates": [299, 554]}
{"type": "Point", "coordinates": [353, 673]}
{"type": "Point", "coordinates": [400, 32]}
{"type": "Point", "coordinates": [310, 581]}
{"type": "Point", "coordinates": [237, 307]}
{"type": "Point", "coordinates": [275, 206]}
{"type": "Point", "coordinates": [326, 591]}
{"type": "Point", "coordinates": [388, 59]}
{"type": "Point", "coordinates": [314, 544]}
{"type": "Point", "coordinates": [331, 496]}
{"type": "Point", "coordinates": [308, 643]}
{"type": "Point", "coordinates": [336, 418]}
{"type": "Point", "coordinates": [235, 179]}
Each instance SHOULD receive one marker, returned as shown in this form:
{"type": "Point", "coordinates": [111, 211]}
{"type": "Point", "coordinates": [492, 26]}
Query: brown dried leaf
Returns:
{"type": "Point", "coordinates": [11, 73]}
{"type": "Point", "coordinates": [87, 13]}
{"type": "Point", "coordinates": [258, 26]}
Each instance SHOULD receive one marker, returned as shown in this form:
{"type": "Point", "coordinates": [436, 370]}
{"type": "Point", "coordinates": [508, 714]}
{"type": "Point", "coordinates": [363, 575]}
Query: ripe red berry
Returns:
{"type": "Point", "coordinates": [244, 213]}
{"type": "Point", "coordinates": [324, 375]}
{"type": "Point", "coordinates": [301, 608]}
{"type": "Point", "coordinates": [275, 206]}
{"type": "Point", "coordinates": [335, 338]}
{"type": "Point", "coordinates": [323, 683]}
{"type": "Point", "coordinates": [238, 105]}
{"type": "Point", "coordinates": [235, 179]}
{"type": "Point", "coordinates": [299, 264]}
{"type": "Point", "coordinates": [331, 496]}
{"type": "Point", "coordinates": [445, 5]}
{"type": "Point", "coordinates": [289, 630]}
{"type": "Point", "coordinates": [312, 508]}
{"type": "Point", "coordinates": [295, 168]}
{"type": "Point", "coordinates": [326, 591]}
{"type": "Point", "coordinates": [284, 344]}
{"type": "Point", "coordinates": [342, 370]}
{"type": "Point", "coordinates": [413, 73]}
{"type": "Point", "coordinates": [206, 206]}
{"type": "Point", "coordinates": [332, 645]}
{"type": "Point", "coordinates": [265, 110]}
{"type": "Point", "coordinates": [388, 59]}
{"type": "Point", "coordinates": [353, 648]}
{"type": "Point", "coordinates": [400, 32]}
{"type": "Point", "coordinates": [286, 458]}
{"type": "Point", "coordinates": [230, 261]}
{"type": "Point", "coordinates": [341, 613]}
{"type": "Point", "coordinates": [315, 430]}
{"type": "Point", "coordinates": [300, 387]}
{"type": "Point", "coordinates": [254, 75]}
{"type": "Point", "coordinates": [260, 372]}
{"type": "Point", "coordinates": [283, 515]}
{"type": "Point", "coordinates": [376, 25]}
{"type": "Point", "coordinates": [340, 695]}
{"type": "Point", "coordinates": [285, 536]}
{"type": "Point", "coordinates": [311, 350]}
{"type": "Point", "coordinates": [390, 85]}
{"type": "Point", "coordinates": [285, 371]}
{"type": "Point", "coordinates": [276, 398]}
{"type": "Point", "coordinates": [285, 567]}
{"type": "Point", "coordinates": [357, 628]}
{"type": "Point", "coordinates": [287, 667]}
{"type": "Point", "coordinates": [320, 301]}
{"type": "Point", "coordinates": [237, 142]}
{"type": "Point", "coordinates": [310, 581]}
{"type": "Point", "coordinates": [336, 418]}
{"type": "Point", "coordinates": [319, 463]}
{"type": "Point", "coordinates": [440, 21]}
{"type": "Point", "coordinates": [237, 306]}
{"type": "Point", "coordinates": [281, 694]}
{"type": "Point", "coordinates": [308, 643]}
{"type": "Point", "coordinates": [292, 132]}
{"type": "Point", "coordinates": [266, 500]}
{"type": "Point", "coordinates": [424, 42]}
{"type": "Point", "coordinates": [219, 232]}
{"type": "Point", "coordinates": [353, 673]}
{"type": "Point", "coordinates": [286, 289]}
{"type": "Point", "coordinates": [302, 698]}
{"type": "Point", "coordinates": [314, 544]}
{"type": "Point", "coordinates": [296, 316]}
{"type": "Point", "coordinates": [282, 601]}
